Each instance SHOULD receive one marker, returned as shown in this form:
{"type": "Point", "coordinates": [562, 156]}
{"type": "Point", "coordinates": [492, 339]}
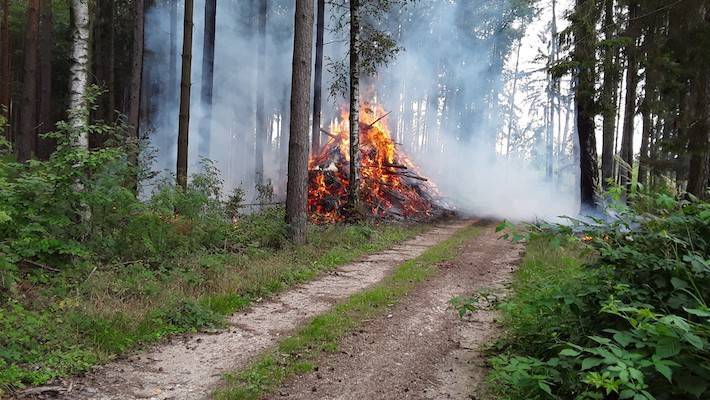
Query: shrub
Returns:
{"type": "Point", "coordinates": [633, 323]}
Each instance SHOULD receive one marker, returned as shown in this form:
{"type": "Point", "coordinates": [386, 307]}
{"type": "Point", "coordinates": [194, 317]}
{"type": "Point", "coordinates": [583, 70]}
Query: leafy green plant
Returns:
{"type": "Point", "coordinates": [632, 322]}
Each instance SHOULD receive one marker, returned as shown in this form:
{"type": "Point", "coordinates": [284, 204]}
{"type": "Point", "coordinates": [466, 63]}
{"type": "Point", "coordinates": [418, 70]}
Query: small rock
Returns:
{"type": "Point", "coordinates": [313, 389]}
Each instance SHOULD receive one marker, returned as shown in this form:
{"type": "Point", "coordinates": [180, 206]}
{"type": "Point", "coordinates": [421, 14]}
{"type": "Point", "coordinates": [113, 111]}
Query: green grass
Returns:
{"type": "Point", "coordinates": [544, 293]}
{"type": "Point", "coordinates": [299, 353]}
{"type": "Point", "coordinates": [63, 324]}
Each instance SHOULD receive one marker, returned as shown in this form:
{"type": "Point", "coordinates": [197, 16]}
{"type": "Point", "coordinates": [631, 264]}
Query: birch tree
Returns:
{"type": "Point", "coordinates": [354, 179]}
{"type": "Point", "coordinates": [79, 71]}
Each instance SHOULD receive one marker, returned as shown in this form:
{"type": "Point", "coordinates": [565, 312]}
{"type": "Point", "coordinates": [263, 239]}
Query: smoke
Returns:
{"type": "Point", "coordinates": [231, 144]}
{"type": "Point", "coordinates": [449, 93]}
{"type": "Point", "coordinates": [456, 75]}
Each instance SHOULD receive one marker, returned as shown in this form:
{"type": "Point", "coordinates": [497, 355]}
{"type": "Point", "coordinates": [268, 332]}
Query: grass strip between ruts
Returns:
{"type": "Point", "coordinates": [297, 354]}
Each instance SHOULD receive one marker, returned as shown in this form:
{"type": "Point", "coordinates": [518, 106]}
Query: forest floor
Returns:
{"type": "Point", "coordinates": [417, 349]}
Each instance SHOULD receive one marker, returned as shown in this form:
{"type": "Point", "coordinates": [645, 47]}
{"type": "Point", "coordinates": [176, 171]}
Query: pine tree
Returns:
{"type": "Point", "coordinates": [297, 185]}
{"type": "Point", "coordinates": [185, 85]}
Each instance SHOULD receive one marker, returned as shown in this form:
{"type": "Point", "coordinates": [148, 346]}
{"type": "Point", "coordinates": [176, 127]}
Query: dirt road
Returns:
{"type": "Point", "coordinates": [189, 367]}
{"type": "Point", "coordinates": [419, 349]}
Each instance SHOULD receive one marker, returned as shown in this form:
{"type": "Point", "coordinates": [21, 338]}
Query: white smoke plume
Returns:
{"type": "Point", "coordinates": [447, 91]}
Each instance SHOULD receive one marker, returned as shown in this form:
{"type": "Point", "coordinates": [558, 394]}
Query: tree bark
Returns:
{"type": "Point", "coordinates": [207, 76]}
{"type": "Point", "coordinates": [79, 71]}
{"type": "Point", "coordinates": [553, 90]}
{"type": "Point", "coordinates": [584, 23]}
{"type": "Point", "coordinates": [185, 84]}
{"type": "Point", "coordinates": [511, 102]}
{"type": "Point", "coordinates": [104, 64]}
{"type": "Point", "coordinates": [27, 139]}
{"type": "Point", "coordinates": [699, 139]}
{"type": "Point", "coordinates": [318, 78]}
{"type": "Point", "coordinates": [354, 179]}
{"type": "Point", "coordinates": [609, 99]}
{"type": "Point", "coordinates": [44, 108]}
{"type": "Point", "coordinates": [261, 124]}
{"type": "Point", "coordinates": [632, 79]}
{"type": "Point", "coordinates": [172, 58]}
{"type": "Point", "coordinates": [5, 66]}
{"type": "Point", "coordinates": [297, 185]}
{"type": "Point", "coordinates": [136, 85]}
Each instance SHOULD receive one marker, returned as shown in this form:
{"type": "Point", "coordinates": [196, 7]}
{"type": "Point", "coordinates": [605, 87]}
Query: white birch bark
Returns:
{"type": "Point", "coordinates": [79, 70]}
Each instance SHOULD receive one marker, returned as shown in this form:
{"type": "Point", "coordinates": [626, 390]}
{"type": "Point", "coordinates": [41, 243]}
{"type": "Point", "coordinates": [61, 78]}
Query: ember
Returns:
{"type": "Point", "coordinates": [391, 187]}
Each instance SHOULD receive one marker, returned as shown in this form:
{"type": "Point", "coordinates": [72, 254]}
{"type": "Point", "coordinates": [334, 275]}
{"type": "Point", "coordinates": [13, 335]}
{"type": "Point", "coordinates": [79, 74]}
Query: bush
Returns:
{"type": "Point", "coordinates": [631, 323]}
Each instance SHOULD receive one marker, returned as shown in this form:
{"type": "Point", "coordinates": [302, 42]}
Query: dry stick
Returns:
{"type": "Point", "coordinates": [377, 120]}
{"type": "Point", "coordinates": [261, 204]}
{"type": "Point", "coordinates": [323, 131]}
{"type": "Point", "coordinates": [38, 265]}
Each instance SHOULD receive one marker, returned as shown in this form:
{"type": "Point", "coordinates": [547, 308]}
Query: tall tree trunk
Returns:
{"type": "Point", "coordinates": [297, 185]}
{"type": "Point", "coordinates": [261, 128]}
{"type": "Point", "coordinates": [318, 78]}
{"type": "Point", "coordinates": [172, 57]}
{"type": "Point", "coordinates": [354, 181]}
{"type": "Point", "coordinates": [185, 84]}
{"type": "Point", "coordinates": [44, 108]}
{"type": "Point", "coordinates": [699, 138]}
{"type": "Point", "coordinates": [104, 64]}
{"type": "Point", "coordinates": [27, 139]}
{"type": "Point", "coordinates": [584, 25]}
{"type": "Point", "coordinates": [79, 71]}
{"type": "Point", "coordinates": [5, 65]}
{"type": "Point", "coordinates": [207, 76]}
{"type": "Point", "coordinates": [553, 90]}
{"type": "Point", "coordinates": [134, 107]}
{"type": "Point", "coordinates": [646, 133]}
{"type": "Point", "coordinates": [511, 102]}
{"type": "Point", "coordinates": [632, 79]}
{"type": "Point", "coordinates": [609, 99]}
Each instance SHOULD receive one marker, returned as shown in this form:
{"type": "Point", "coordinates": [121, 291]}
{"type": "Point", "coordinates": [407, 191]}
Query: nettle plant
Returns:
{"type": "Point", "coordinates": [643, 327]}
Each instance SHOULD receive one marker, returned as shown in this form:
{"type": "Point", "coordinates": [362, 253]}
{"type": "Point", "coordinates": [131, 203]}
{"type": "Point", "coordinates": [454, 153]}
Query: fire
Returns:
{"type": "Point", "coordinates": [390, 183]}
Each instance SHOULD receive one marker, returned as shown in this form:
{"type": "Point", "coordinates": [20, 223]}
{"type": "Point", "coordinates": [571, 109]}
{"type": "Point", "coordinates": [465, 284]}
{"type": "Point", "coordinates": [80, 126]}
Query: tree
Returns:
{"type": "Point", "coordinates": [5, 63]}
{"type": "Point", "coordinates": [261, 124]}
{"type": "Point", "coordinates": [207, 75]}
{"type": "Point", "coordinates": [44, 107]}
{"type": "Point", "coordinates": [632, 80]}
{"type": "Point", "coordinates": [609, 100]}
{"type": "Point", "coordinates": [79, 70]}
{"type": "Point", "coordinates": [185, 84]}
{"type": "Point", "coordinates": [318, 78]}
{"type": "Point", "coordinates": [354, 179]}
{"type": "Point", "coordinates": [172, 60]}
{"type": "Point", "coordinates": [297, 185]}
{"type": "Point", "coordinates": [27, 140]}
{"type": "Point", "coordinates": [104, 66]}
{"type": "Point", "coordinates": [134, 107]}
{"type": "Point", "coordinates": [584, 21]}
{"type": "Point", "coordinates": [552, 93]}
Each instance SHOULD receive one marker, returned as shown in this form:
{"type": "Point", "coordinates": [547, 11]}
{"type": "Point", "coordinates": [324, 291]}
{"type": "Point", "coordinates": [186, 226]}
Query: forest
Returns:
{"type": "Point", "coordinates": [378, 199]}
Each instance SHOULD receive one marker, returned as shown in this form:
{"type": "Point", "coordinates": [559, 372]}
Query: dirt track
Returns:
{"type": "Point", "coordinates": [189, 367]}
{"type": "Point", "coordinates": [420, 349]}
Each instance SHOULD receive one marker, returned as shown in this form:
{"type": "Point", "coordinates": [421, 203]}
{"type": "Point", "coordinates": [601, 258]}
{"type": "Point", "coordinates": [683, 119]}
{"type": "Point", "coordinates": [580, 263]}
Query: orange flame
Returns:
{"type": "Point", "coordinates": [390, 183]}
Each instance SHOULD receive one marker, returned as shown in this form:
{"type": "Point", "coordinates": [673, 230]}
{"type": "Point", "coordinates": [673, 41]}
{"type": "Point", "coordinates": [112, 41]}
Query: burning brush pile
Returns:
{"type": "Point", "coordinates": [390, 187]}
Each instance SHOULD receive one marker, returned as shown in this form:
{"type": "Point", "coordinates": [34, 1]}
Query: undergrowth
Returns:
{"type": "Point", "coordinates": [88, 269]}
{"type": "Point", "coordinates": [299, 353]}
{"type": "Point", "coordinates": [611, 309]}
